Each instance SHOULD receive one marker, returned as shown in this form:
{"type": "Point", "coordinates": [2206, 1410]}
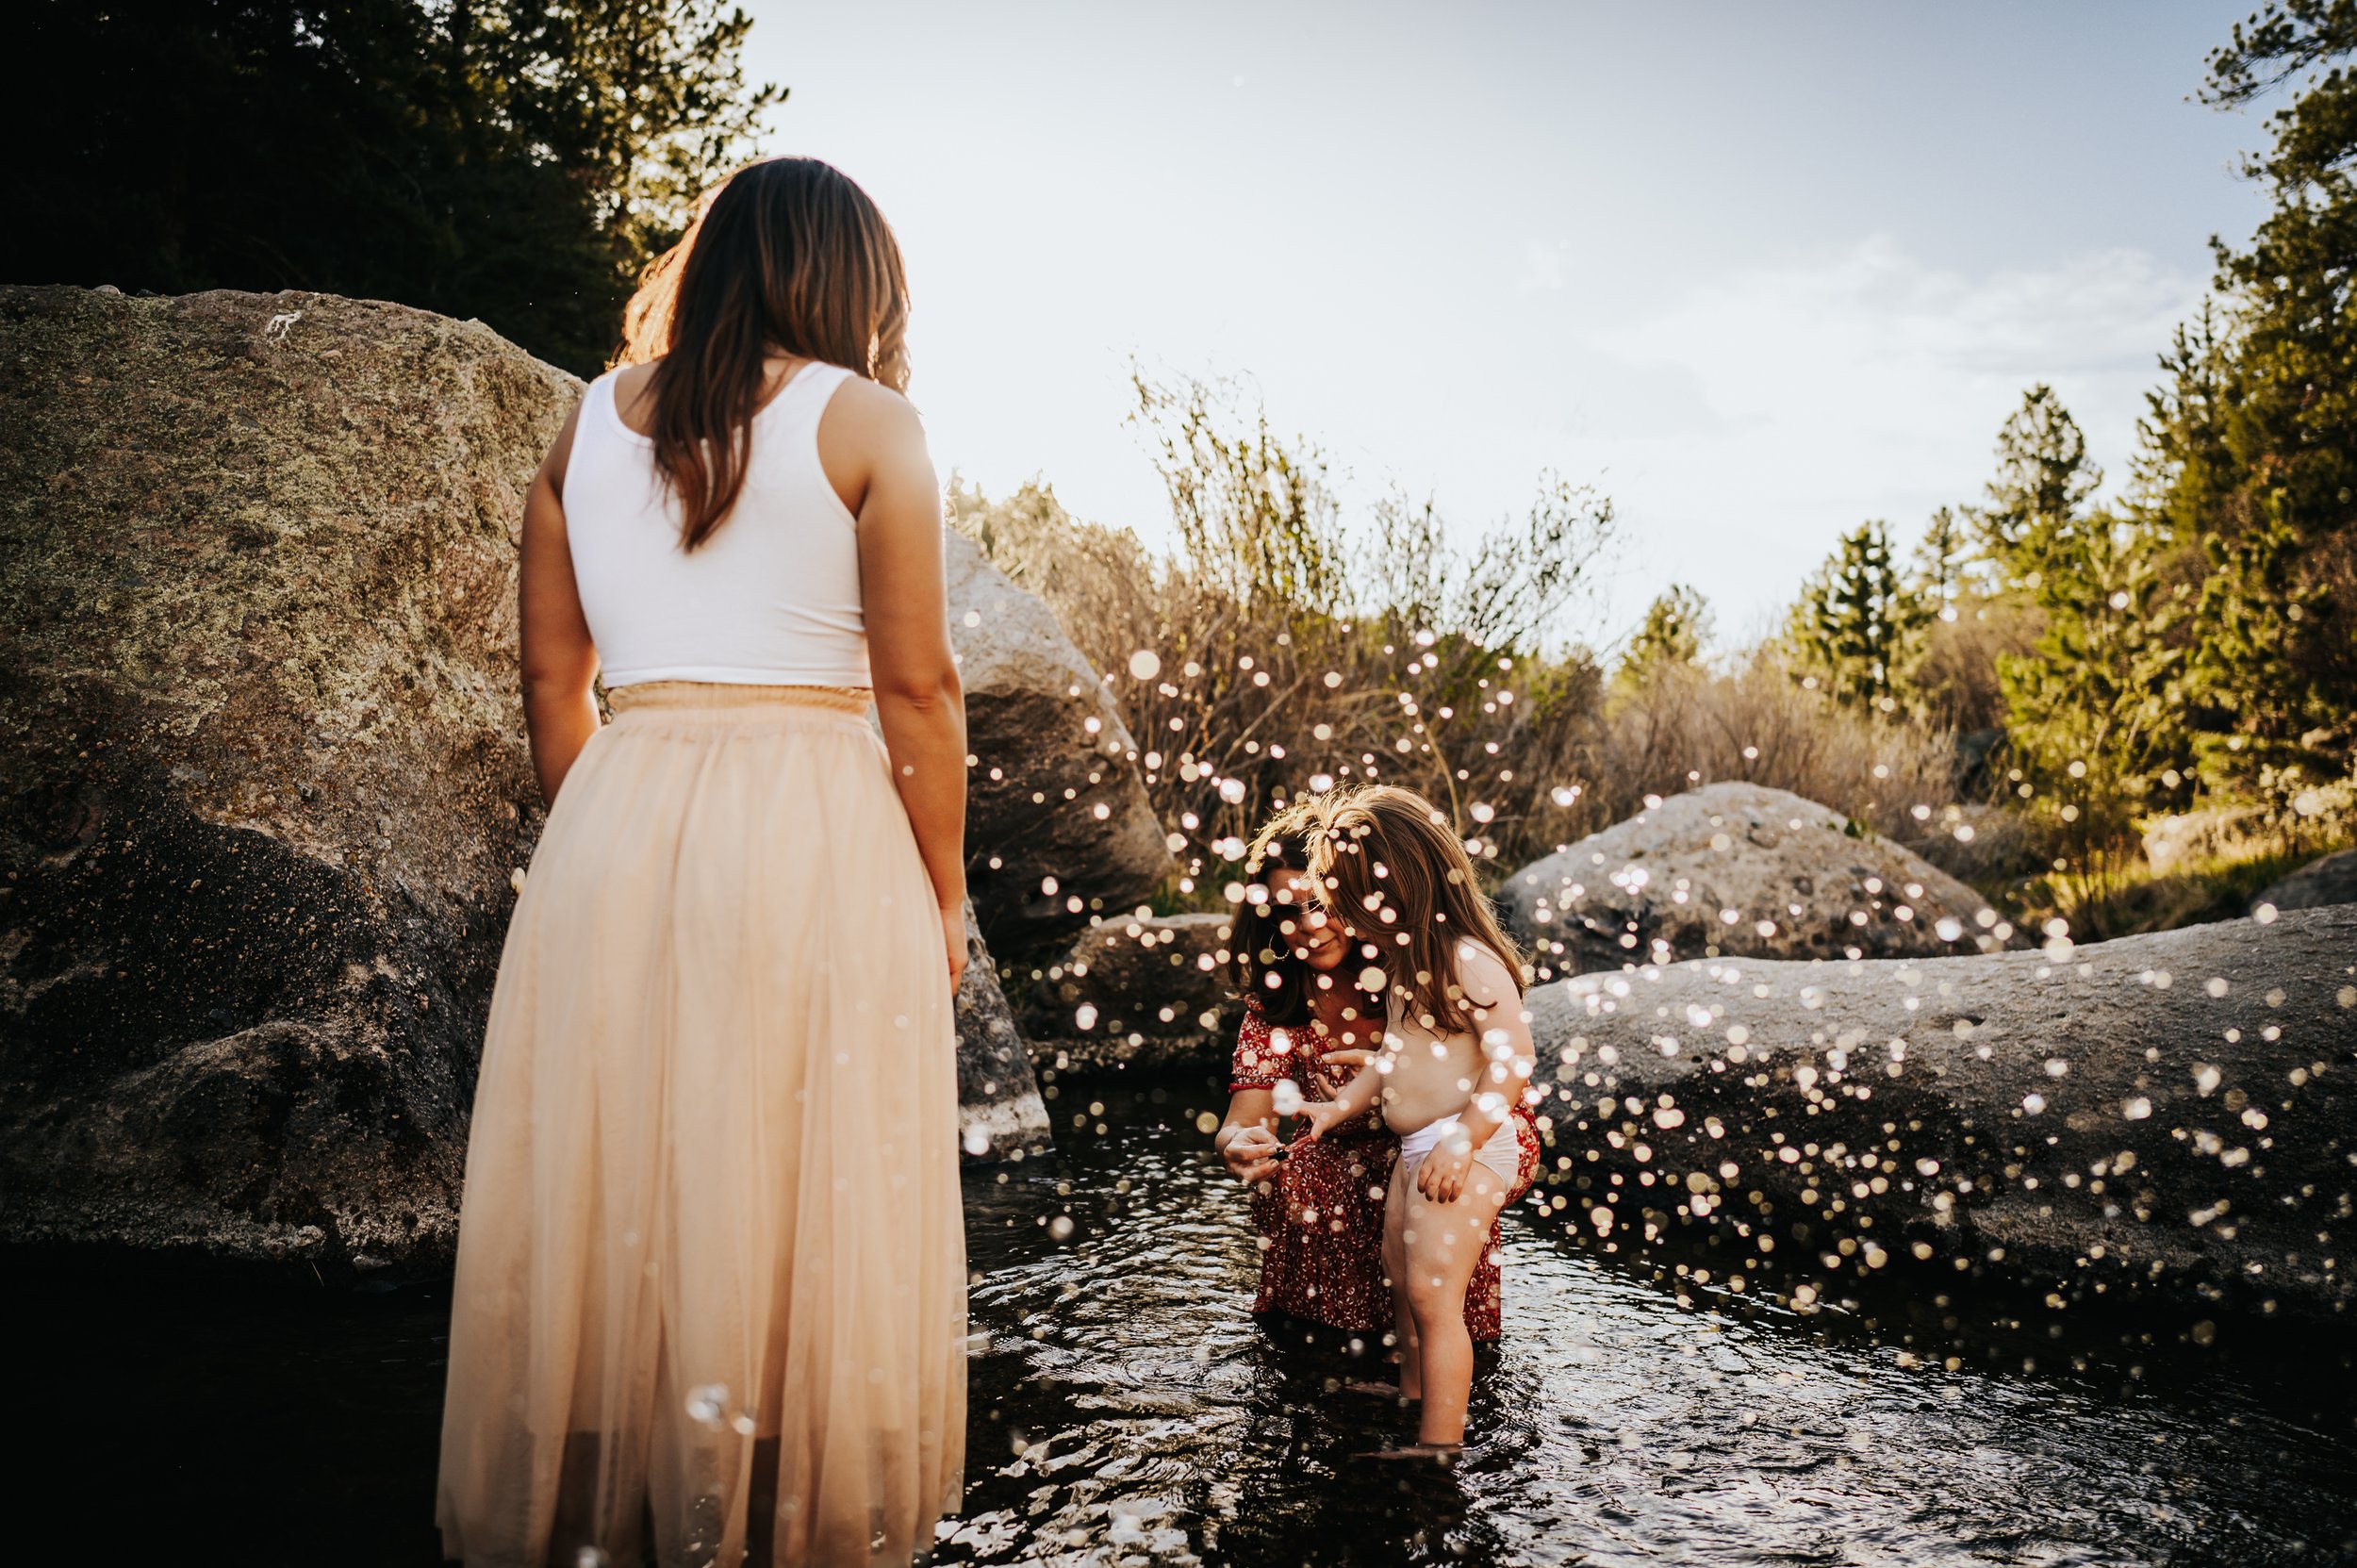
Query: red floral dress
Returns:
{"type": "Point", "coordinates": [1321, 1216]}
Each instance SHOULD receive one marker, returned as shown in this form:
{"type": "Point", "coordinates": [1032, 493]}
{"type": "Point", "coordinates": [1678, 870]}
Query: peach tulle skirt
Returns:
{"type": "Point", "coordinates": [711, 1294]}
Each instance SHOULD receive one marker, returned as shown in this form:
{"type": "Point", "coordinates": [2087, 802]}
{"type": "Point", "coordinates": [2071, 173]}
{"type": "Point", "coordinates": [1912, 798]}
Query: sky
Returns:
{"type": "Point", "coordinates": [1757, 273]}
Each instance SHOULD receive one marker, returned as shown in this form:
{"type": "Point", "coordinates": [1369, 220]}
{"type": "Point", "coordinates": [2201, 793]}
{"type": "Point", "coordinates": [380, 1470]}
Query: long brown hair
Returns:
{"type": "Point", "coordinates": [1389, 867]}
{"type": "Point", "coordinates": [787, 256]}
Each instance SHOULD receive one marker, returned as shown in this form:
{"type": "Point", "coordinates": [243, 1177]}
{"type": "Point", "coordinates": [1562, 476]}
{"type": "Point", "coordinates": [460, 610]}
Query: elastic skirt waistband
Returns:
{"type": "Point", "coordinates": [681, 697]}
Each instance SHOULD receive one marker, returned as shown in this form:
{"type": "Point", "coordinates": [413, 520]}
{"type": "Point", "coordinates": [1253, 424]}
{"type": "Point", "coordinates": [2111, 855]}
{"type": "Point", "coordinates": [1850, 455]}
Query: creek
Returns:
{"type": "Point", "coordinates": [1126, 1407]}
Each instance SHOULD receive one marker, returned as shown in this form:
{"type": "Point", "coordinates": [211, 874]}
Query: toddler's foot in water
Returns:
{"type": "Point", "coordinates": [1442, 1454]}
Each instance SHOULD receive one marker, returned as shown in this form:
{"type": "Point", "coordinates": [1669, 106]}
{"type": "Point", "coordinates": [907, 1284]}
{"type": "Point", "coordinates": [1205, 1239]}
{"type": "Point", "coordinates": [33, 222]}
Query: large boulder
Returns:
{"type": "Point", "coordinates": [1058, 825]}
{"type": "Point", "coordinates": [1139, 990]}
{"type": "Point", "coordinates": [2330, 881]}
{"type": "Point", "coordinates": [1001, 1113]}
{"type": "Point", "coordinates": [264, 762]}
{"type": "Point", "coordinates": [266, 784]}
{"type": "Point", "coordinates": [1738, 869]}
{"type": "Point", "coordinates": [2172, 1114]}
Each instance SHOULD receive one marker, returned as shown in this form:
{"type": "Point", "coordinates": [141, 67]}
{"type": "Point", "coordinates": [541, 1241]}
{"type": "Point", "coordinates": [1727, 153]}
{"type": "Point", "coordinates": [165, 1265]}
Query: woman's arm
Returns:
{"type": "Point", "coordinates": [919, 703]}
{"type": "Point", "coordinates": [560, 662]}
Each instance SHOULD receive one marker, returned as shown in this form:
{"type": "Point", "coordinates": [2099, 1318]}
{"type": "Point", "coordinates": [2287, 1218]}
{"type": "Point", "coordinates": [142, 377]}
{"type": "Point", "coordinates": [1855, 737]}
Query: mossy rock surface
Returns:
{"type": "Point", "coordinates": [263, 759]}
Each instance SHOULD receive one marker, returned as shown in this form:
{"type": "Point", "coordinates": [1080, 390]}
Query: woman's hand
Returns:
{"type": "Point", "coordinates": [1250, 1155]}
{"type": "Point", "coordinates": [953, 937]}
{"type": "Point", "coordinates": [1441, 1177]}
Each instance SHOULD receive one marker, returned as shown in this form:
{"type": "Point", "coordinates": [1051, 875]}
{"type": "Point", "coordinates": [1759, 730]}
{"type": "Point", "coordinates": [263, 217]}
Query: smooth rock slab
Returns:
{"type": "Point", "coordinates": [2331, 880]}
{"type": "Point", "coordinates": [2082, 1122]}
{"type": "Point", "coordinates": [1797, 883]}
{"type": "Point", "coordinates": [1054, 799]}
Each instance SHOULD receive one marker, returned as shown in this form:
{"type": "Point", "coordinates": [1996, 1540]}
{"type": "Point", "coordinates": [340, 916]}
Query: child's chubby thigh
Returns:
{"type": "Point", "coordinates": [1429, 1078]}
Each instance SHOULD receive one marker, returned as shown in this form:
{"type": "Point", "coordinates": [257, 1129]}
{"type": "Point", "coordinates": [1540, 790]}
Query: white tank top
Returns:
{"type": "Point", "coordinates": [771, 597]}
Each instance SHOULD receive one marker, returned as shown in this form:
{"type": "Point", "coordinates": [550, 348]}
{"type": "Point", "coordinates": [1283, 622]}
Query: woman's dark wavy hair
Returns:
{"type": "Point", "coordinates": [787, 256]}
{"type": "Point", "coordinates": [1268, 976]}
{"type": "Point", "coordinates": [1266, 970]}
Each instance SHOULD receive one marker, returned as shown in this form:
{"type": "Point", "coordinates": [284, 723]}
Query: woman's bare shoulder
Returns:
{"type": "Point", "coordinates": [634, 400]}
{"type": "Point", "coordinates": [865, 406]}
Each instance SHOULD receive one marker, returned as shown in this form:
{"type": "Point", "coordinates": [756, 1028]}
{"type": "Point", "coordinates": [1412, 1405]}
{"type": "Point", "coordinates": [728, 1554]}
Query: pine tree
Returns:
{"type": "Point", "coordinates": [1677, 627]}
{"type": "Point", "coordinates": [2250, 448]}
{"type": "Point", "coordinates": [1943, 558]}
{"type": "Point", "coordinates": [1850, 630]}
{"type": "Point", "coordinates": [499, 159]}
{"type": "Point", "coordinates": [2037, 500]}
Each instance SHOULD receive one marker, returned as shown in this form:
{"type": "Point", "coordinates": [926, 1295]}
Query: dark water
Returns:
{"type": "Point", "coordinates": [1128, 1409]}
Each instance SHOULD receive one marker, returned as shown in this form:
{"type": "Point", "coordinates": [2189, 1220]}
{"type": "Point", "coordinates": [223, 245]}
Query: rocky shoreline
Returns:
{"type": "Point", "coordinates": [2171, 1116]}
{"type": "Point", "coordinates": [269, 801]}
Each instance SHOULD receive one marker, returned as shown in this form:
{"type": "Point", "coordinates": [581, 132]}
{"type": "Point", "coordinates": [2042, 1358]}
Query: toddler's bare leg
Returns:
{"type": "Point", "coordinates": [1396, 1268]}
{"type": "Point", "coordinates": [1441, 1243]}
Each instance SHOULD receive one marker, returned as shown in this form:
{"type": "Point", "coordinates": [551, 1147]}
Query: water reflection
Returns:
{"type": "Point", "coordinates": [1127, 1409]}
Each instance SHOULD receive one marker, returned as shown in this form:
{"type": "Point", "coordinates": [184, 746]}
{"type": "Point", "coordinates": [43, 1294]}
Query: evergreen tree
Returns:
{"type": "Point", "coordinates": [1851, 628]}
{"type": "Point", "coordinates": [1942, 559]}
{"type": "Point", "coordinates": [2088, 711]}
{"type": "Point", "coordinates": [1677, 627]}
{"type": "Point", "coordinates": [2250, 448]}
{"type": "Point", "coordinates": [2037, 502]}
{"type": "Point", "coordinates": [499, 158]}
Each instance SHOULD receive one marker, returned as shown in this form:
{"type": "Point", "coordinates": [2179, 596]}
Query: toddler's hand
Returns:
{"type": "Point", "coordinates": [1322, 1117]}
{"type": "Point", "coordinates": [1441, 1177]}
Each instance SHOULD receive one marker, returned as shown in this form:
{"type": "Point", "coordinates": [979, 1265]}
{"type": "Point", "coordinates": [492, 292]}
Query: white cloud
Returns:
{"type": "Point", "coordinates": [1860, 383]}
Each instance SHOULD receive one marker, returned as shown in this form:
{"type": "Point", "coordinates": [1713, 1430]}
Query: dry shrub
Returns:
{"type": "Point", "coordinates": [1952, 680]}
{"type": "Point", "coordinates": [1682, 726]}
{"type": "Point", "coordinates": [1280, 648]}
{"type": "Point", "coordinates": [1239, 704]}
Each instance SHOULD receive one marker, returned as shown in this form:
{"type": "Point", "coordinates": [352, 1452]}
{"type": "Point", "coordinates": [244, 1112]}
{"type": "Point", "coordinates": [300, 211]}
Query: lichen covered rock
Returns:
{"type": "Point", "coordinates": [2169, 1114]}
{"type": "Point", "coordinates": [265, 776]}
{"type": "Point", "coordinates": [264, 787]}
{"type": "Point", "coordinates": [1738, 869]}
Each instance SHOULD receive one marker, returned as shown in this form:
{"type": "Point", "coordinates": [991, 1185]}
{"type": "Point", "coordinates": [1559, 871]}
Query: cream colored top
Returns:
{"type": "Point", "coordinates": [772, 597]}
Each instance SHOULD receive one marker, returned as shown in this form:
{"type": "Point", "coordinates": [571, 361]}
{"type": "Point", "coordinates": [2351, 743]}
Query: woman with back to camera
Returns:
{"type": "Point", "coordinates": [711, 1268]}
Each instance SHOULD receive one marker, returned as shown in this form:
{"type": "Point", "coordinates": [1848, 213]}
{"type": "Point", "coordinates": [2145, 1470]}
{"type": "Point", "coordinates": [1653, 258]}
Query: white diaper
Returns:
{"type": "Point", "coordinates": [1501, 1153]}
